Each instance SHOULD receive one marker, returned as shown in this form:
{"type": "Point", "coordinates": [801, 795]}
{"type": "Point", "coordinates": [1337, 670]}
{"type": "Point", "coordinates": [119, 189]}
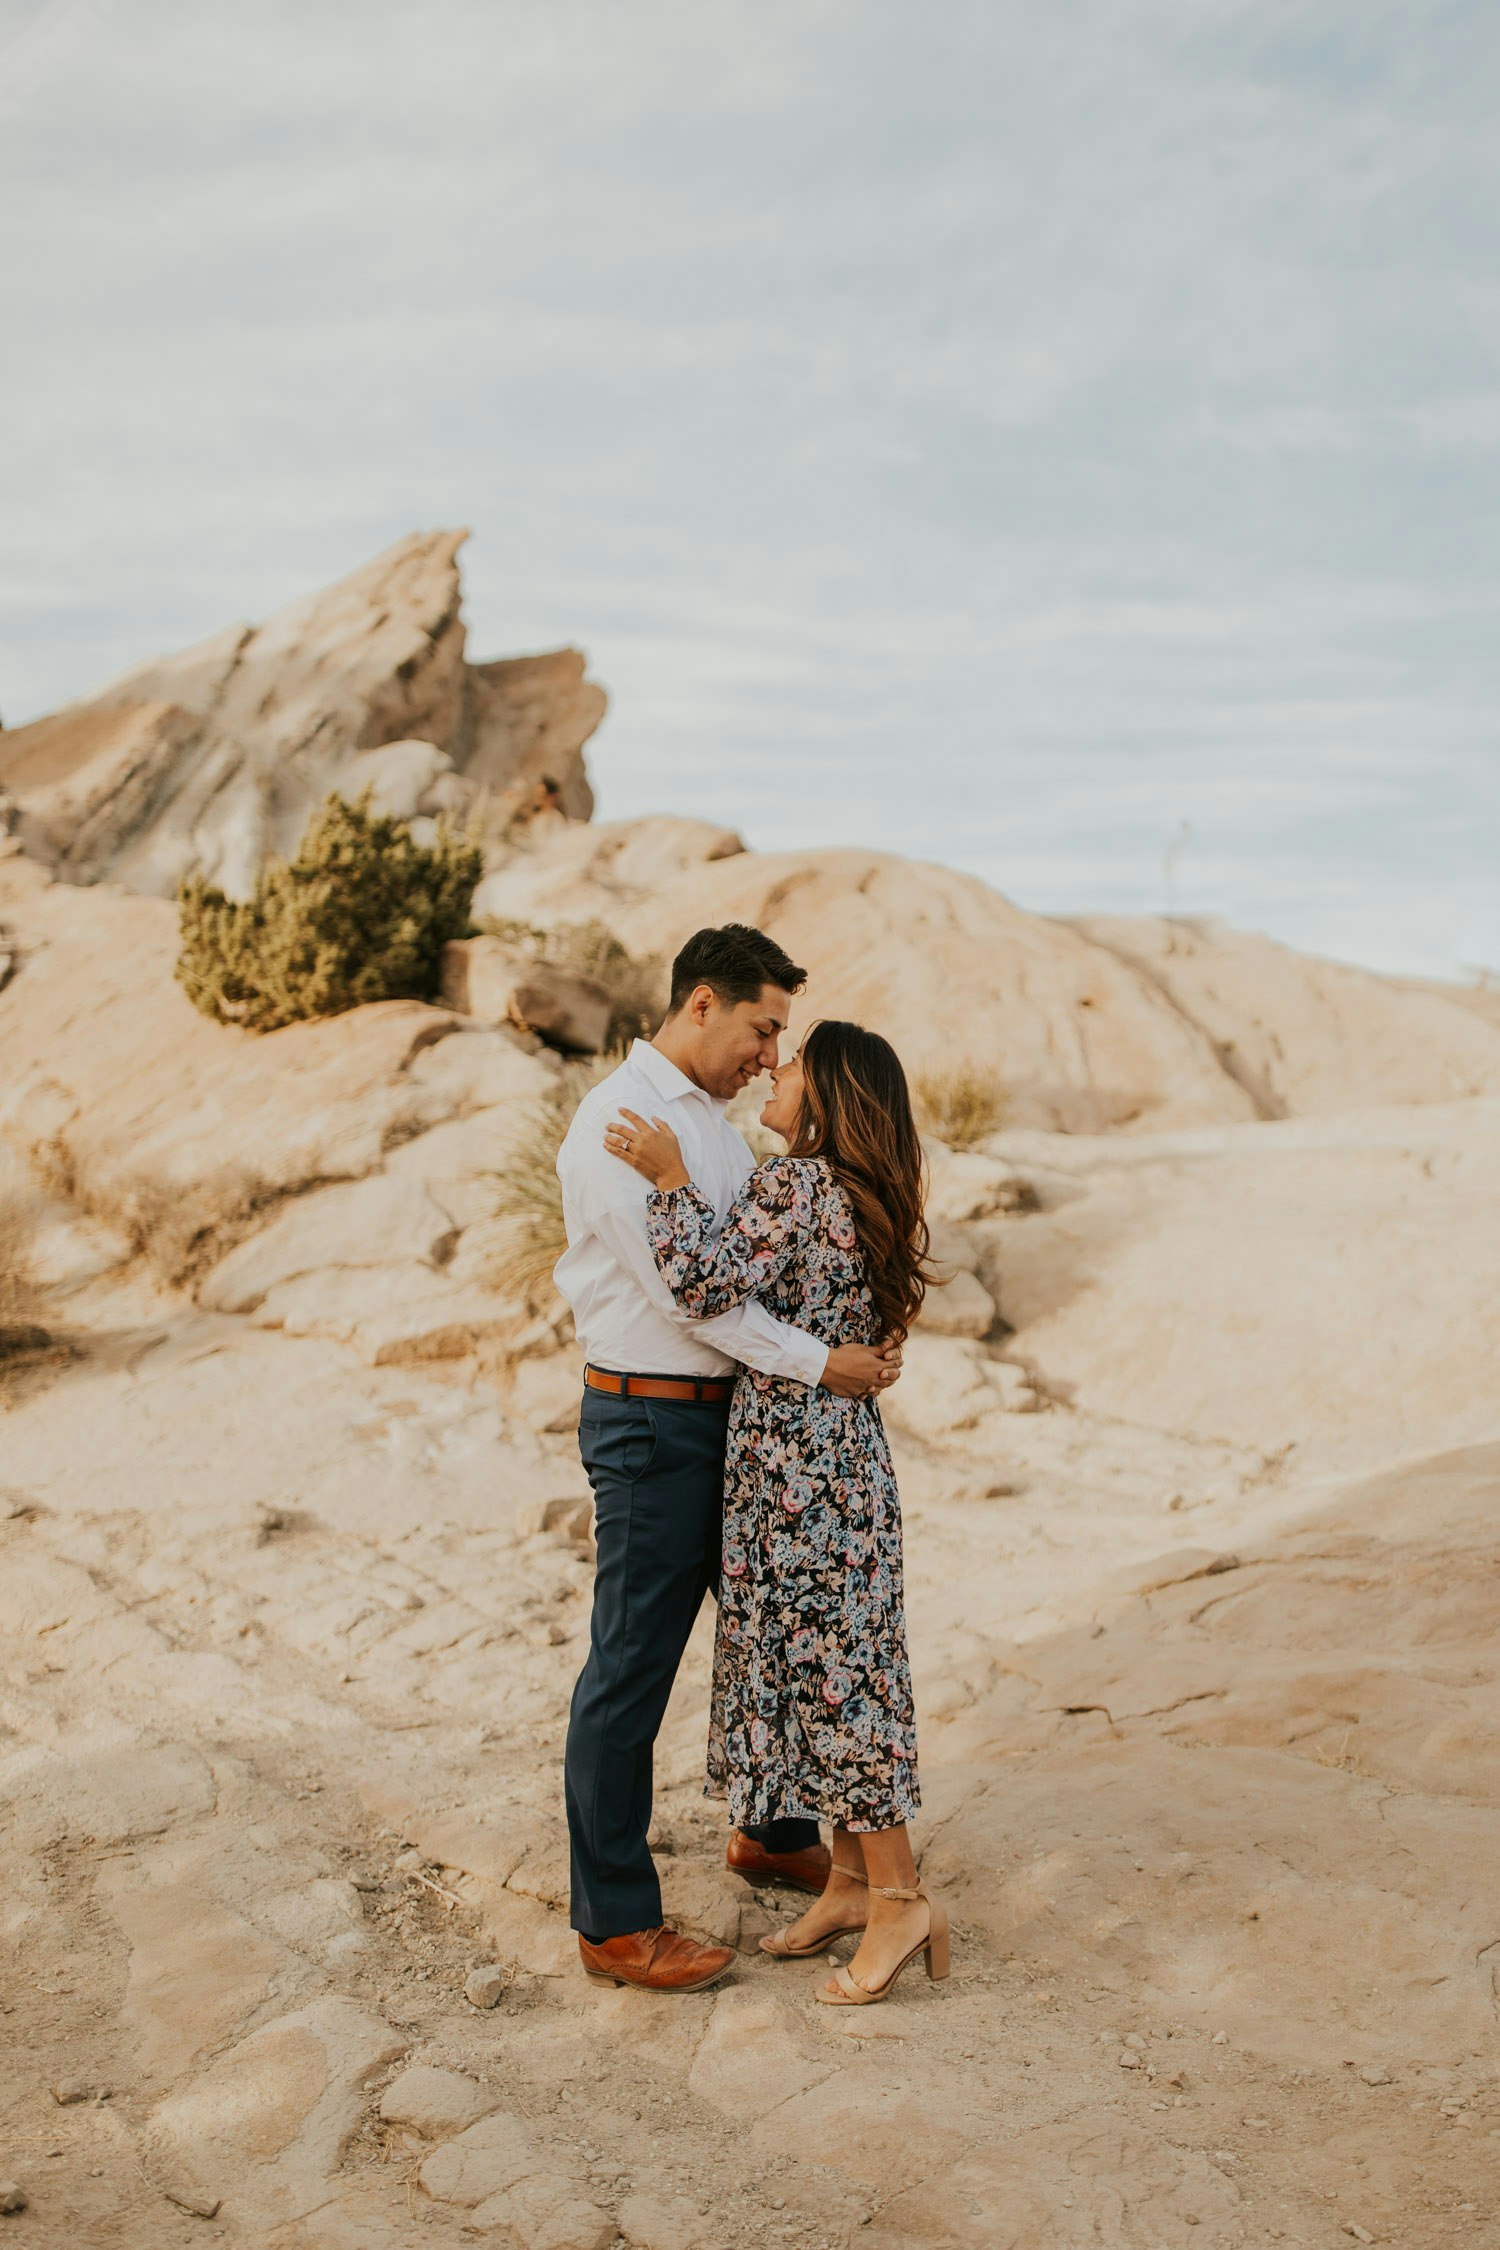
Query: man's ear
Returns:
{"type": "Point", "coordinates": [699, 1004]}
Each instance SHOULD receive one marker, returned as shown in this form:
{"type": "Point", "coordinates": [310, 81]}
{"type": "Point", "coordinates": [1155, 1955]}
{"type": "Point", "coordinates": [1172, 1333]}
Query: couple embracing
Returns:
{"type": "Point", "coordinates": [738, 1323]}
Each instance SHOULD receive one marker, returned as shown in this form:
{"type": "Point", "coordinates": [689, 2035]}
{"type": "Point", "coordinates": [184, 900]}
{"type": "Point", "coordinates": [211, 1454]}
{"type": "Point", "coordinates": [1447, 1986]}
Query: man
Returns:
{"type": "Point", "coordinates": [655, 1415]}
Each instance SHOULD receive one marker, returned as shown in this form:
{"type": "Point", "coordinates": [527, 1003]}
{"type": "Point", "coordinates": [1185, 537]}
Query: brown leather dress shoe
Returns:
{"type": "Point", "coordinates": [800, 1871]}
{"type": "Point", "coordinates": [659, 1960]}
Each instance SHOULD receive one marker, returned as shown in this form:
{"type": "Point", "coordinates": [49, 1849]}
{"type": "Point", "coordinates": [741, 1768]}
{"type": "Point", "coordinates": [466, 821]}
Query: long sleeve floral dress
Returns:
{"type": "Point", "coordinates": [812, 1707]}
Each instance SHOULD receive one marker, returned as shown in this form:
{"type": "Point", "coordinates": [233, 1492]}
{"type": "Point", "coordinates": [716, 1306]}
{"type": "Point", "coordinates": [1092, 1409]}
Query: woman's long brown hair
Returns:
{"type": "Point", "coordinates": [856, 1112]}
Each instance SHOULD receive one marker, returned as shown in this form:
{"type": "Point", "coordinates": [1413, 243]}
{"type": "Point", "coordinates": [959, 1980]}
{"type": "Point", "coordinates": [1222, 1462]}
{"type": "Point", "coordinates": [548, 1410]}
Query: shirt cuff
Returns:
{"type": "Point", "coordinates": [811, 1357]}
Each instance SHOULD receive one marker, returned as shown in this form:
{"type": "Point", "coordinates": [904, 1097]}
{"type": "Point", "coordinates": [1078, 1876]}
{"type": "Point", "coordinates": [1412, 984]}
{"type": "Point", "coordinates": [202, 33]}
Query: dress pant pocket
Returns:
{"type": "Point", "coordinates": [617, 1436]}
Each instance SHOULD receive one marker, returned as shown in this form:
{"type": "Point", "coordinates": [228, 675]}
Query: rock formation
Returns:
{"type": "Point", "coordinates": [1199, 1457]}
{"type": "Point", "coordinates": [207, 761]}
{"type": "Point", "coordinates": [1087, 1027]}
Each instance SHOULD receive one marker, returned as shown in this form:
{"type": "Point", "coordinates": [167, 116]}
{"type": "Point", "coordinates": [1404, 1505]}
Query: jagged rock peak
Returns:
{"type": "Point", "coordinates": [207, 761]}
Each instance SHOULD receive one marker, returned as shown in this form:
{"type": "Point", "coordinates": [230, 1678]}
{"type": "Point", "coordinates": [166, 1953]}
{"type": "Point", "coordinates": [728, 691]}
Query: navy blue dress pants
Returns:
{"type": "Point", "coordinates": [657, 1469]}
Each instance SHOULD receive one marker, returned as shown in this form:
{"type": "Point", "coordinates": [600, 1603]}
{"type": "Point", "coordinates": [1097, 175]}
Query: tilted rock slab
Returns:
{"type": "Point", "coordinates": [209, 761]}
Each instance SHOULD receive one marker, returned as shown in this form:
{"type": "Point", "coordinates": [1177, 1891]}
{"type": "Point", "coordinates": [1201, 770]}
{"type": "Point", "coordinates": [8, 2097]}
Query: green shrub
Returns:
{"type": "Point", "coordinates": [636, 984]}
{"type": "Point", "coordinates": [362, 913]}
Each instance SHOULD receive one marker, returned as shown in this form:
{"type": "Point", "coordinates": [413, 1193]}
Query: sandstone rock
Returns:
{"type": "Point", "coordinates": [965, 1186]}
{"type": "Point", "coordinates": [1162, 1294]}
{"type": "Point", "coordinates": [961, 1306]}
{"type": "Point", "coordinates": [497, 2171]}
{"type": "Point", "coordinates": [948, 1385]}
{"type": "Point", "coordinates": [403, 1313]}
{"type": "Point", "coordinates": [544, 1389]}
{"type": "Point", "coordinates": [498, 983]}
{"type": "Point", "coordinates": [170, 1122]}
{"type": "Point", "coordinates": [749, 2060]}
{"type": "Point", "coordinates": [374, 1222]}
{"type": "Point", "coordinates": [703, 1901]}
{"type": "Point", "coordinates": [197, 1971]}
{"type": "Point", "coordinates": [273, 2113]}
{"type": "Point", "coordinates": [530, 717]}
{"type": "Point", "coordinates": [527, 1934]}
{"type": "Point", "coordinates": [12, 2197]}
{"type": "Point", "coordinates": [433, 2101]}
{"type": "Point", "coordinates": [664, 2222]}
{"type": "Point", "coordinates": [581, 874]}
{"type": "Point", "coordinates": [114, 1796]}
{"type": "Point", "coordinates": [206, 761]}
{"type": "Point", "coordinates": [485, 1987]}
{"type": "Point", "coordinates": [847, 2121]}
{"type": "Point", "coordinates": [400, 777]}
{"type": "Point", "coordinates": [1304, 1036]}
{"type": "Point", "coordinates": [1086, 2181]}
{"type": "Point", "coordinates": [567, 1519]}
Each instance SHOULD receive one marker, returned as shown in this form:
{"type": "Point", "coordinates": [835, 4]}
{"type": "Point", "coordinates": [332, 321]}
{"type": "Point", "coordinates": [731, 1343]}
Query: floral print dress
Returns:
{"type": "Point", "coordinates": [812, 1707]}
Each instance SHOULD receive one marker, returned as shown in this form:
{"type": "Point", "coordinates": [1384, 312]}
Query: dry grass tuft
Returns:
{"type": "Point", "coordinates": [179, 1230]}
{"type": "Point", "coordinates": [528, 1199]}
{"type": "Point", "coordinates": [959, 1107]}
{"type": "Point", "coordinates": [636, 984]}
{"type": "Point", "coordinates": [182, 1232]}
{"type": "Point", "coordinates": [18, 1291]}
{"type": "Point", "coordinates": [29, 1353]}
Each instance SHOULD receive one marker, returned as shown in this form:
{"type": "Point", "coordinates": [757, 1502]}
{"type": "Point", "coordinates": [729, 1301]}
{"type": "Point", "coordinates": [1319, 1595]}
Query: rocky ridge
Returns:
{"type": "Point", "coordinates": [208, 761]}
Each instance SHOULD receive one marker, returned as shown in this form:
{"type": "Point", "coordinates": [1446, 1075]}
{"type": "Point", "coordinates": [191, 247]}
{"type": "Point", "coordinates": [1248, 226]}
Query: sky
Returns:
{"type": "Point", "coordinates": [1058, 438]}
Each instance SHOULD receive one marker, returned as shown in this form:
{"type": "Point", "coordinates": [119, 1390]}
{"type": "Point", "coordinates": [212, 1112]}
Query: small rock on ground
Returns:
{"type": "Point", "coordinates": [485, 1987]}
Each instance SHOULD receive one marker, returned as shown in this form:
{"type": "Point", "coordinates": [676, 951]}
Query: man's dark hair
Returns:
{"type": "Point", "coordinates": [736, 961]}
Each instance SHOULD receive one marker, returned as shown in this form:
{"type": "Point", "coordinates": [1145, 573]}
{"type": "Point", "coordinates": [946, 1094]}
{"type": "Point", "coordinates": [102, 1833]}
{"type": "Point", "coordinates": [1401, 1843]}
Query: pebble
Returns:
{"type": "Point", "coordinates": [1221, 2039]}
{"type": "Point", "coordinates": [1134, 2039]}
{"type": "Point", "coordinates": [1375, 2074]}
{"type": "Point", "coordinates": [1360, 2234]}
{"type": "Point", "coordinates": [363, 1880]}
{"type": "Point", "coordinates": [410, 1863]}
{"type": "Point", "coordinates": [194, 2201]}
{"type": "Point", "coordinates": [70, 2090]}
{"type": "Point", "coordinates": [12, 2196]}
{"type": "Point", "coordinates": [1128, 2059]}
{"type": "Point", "coordinates": [484, 1987]}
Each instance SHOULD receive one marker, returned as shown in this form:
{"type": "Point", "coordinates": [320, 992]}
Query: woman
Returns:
{"type": "Point", "coordinates": [812, 1711]}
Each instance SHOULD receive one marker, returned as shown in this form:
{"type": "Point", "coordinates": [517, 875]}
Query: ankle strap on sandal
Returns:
{"type": "Point", "coordinates": [854, 1874]}
{"type": "Point", "coordinates": [888, 1890]}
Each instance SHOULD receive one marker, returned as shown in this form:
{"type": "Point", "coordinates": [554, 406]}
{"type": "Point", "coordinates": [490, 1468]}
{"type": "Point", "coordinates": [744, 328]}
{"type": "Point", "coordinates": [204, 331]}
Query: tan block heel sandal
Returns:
{"type": "Point", "coordinates": [852, 1994]}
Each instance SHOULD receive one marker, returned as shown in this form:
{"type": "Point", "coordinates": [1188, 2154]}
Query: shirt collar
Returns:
{"type": "Point", "coordinates": [666, 1079]}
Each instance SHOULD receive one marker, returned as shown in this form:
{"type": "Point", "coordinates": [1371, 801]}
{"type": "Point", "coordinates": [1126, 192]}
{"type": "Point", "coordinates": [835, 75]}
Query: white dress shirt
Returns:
{"type": "Point", "coordinates": [626, 1316]}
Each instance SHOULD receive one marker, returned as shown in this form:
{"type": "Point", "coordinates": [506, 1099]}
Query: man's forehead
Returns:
{"type": "Point", "coordinates": [773, 1003]}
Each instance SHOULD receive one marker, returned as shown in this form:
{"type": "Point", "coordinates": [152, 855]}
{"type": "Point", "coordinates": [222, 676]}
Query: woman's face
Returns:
{"type": "Point", "coordinates": [784, 1109]}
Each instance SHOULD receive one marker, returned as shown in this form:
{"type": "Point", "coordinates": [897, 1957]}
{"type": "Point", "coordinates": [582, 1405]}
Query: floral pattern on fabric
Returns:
{"type": "Point", "coordinates": [812, 1707]}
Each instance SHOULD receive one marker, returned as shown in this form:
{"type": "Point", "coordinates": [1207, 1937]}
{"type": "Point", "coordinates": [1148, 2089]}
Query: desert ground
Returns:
{"type": "Point", "coordinates": [1199, 1449]}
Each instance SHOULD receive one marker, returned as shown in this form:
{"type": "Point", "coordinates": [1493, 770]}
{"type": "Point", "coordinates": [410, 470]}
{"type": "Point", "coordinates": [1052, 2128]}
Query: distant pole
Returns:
{"type": "Point", "coordinates": [1176, 846]}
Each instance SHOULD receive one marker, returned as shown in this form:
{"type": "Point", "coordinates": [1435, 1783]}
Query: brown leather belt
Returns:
{"type": "Point", "coordinates": [706, 1389]}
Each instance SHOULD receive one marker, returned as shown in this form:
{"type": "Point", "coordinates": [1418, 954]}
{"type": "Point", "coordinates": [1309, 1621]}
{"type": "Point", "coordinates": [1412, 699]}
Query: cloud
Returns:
{"type": "Point", "coordinates": [998, 432]}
